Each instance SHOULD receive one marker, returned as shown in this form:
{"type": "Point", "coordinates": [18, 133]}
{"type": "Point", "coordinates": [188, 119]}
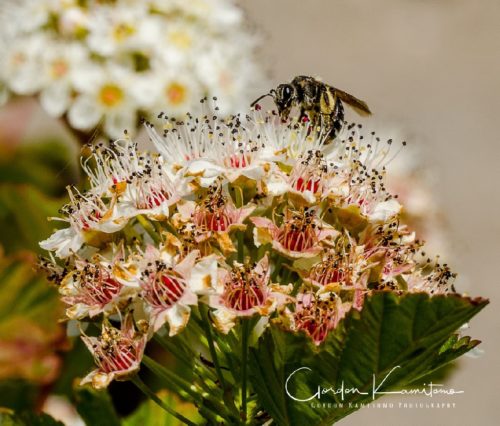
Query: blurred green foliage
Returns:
{"type": "Point", "coordinates": [47, 165]}
{"type": "Point", "coordinates": [95, 406]}
{"type": "Point", "coordinates": [8, 418]}
{"type": "Point", "coordinates": [33, 177]}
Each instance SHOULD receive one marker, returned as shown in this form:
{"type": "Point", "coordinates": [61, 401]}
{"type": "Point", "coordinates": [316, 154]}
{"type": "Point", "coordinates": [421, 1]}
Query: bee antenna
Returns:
{"type": "Point", "coordinates": [271, 93]}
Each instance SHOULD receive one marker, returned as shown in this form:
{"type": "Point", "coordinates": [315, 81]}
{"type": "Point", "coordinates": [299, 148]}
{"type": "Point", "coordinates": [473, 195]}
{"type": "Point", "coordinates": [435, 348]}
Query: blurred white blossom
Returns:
{"type": "Point", "coordinates": [118, 60]}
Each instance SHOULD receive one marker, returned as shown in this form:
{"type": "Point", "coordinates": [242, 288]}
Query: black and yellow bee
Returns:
{"type": "Point", "coordinates": [318, 103]}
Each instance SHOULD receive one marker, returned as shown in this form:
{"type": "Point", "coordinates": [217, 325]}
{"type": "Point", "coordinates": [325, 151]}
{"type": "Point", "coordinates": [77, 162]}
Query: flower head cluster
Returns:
{"type": "Point", "coordinates": [248, 215]}
{"type": "Point", "coordinates": [109, 60]}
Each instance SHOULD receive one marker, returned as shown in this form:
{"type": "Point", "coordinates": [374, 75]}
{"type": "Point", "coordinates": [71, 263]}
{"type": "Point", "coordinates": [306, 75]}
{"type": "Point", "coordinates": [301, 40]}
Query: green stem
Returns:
{"type": "Point", "coordinates": [175, 350]}
{"type": "Point", "coordinates": [208, 405]}
{"type": "Point", "coordinates": [148, 228]}
{"type": "Point", "coordinates": [241, 246]}
{"type": "Point", "coordinates": [277, 268]}
{"type": "Point", "coordinates": [170, 377]}
{"type": "Point", "coordinates": [240, 236]}
{"type": "Point", "coordinates": [211, 346]}
{"type": "Point", "coordinates": [296, 286]}
{"type": "Point", "coordinates": [150, 394]}
{"type": "Point", "coordinates": [286, 276]}
{"type": "Point", "coordinates": [244, 361]}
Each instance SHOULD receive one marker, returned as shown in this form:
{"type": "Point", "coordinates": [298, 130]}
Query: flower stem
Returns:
{"type": "Point", "coordinates": [148, 228]}
{"type": "Point", "coordinates": [277, 268]}
{"type": "Point", "coordinates": [170, 377]}
{"type": "Point", "coordinates": [244, 361]}
{"type": "Point", "coordinates": [150, 394]}
{"type": "Point", "coordinates": [240, 246]}
{"type": "Point", "coordinates": [211, 346]}
{"type": "Point", "coordinates": [209, 404]}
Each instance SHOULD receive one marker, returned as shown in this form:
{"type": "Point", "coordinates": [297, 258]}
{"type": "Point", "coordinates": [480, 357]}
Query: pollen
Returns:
{"type": "Point", "coordinates": [181, 39]}
{"type": "Point", "coordinates": [111, 95]}
{"type": "Point", "coordinates": [176, 93]}
{"type": "Point", "coordinates": [123, 31]}
{"type": "Point", "coordinates": [59, 68]}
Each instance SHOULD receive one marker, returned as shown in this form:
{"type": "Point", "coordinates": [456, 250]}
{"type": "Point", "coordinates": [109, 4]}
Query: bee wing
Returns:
{"type": "Point", "coordinates": [358, 105]}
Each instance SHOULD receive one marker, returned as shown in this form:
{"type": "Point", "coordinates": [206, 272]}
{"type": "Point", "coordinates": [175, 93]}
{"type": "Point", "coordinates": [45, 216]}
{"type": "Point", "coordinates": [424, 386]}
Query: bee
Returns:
{"type": "Point", "coordinates": [319, 103]}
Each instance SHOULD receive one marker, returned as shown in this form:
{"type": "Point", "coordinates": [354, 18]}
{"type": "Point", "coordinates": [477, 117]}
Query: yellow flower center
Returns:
{"type": "Point", "coordinates": [111, 95]}
{"type": "Point", "coordinates": [181, 39]}
{"type": "Point", "coordinates": [19, 58]}
{"type": "Point", "coordinates": [123, 31]}
{"type": "Point", "coordinates": [176, 93]}
{"type": "Point", "coordinates": [59, 68]}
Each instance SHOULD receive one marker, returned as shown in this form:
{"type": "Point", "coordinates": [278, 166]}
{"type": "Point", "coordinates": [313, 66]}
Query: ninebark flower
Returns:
{"type": "Point", "coordinates": [317, 313]}
{"type": "Point", "coordinates": [245, 290]}
{"type": "Point", "coordinates": [300, 235]}
{"type": "Point", "coordinates": [117, 353]}
{"type": "Point", "coordinates": [169, 286]}
{"type": "Point", "coordinates": [252, 216]}
{"type": "Point", "coordinates": [98, 285]}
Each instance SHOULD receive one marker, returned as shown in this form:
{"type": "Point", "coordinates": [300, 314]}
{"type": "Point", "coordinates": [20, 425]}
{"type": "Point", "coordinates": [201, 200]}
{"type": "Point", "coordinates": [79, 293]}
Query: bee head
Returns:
{"type": "Point", "coordinates": [284, 96]}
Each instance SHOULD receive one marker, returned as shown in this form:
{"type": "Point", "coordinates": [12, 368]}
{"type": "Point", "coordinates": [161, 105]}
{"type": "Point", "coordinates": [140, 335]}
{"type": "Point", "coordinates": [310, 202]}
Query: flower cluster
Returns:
{"type": "Point", "coordinates": [250, 216]}
{"type": "Point", "coordinates": [112, 60]}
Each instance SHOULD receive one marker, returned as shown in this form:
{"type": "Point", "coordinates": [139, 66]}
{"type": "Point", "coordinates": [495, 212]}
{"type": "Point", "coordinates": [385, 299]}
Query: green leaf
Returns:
{"type": "Point", "coordinates": [46, 165]}
{"type": "Point", "coordinates": [404, 333]}
{"type": "Point", "coordinates": [95, 407]}
{"type": "Point", "coordinates": [17, 395]}
{"type": "Point", "coordinates": [7, 418]}
{"type": "Point", "coordinates": [29, 344]}
{"type": "Point", "coordinates": [23, 217]}
{"type": "Point", "coordinates": [150, 414]}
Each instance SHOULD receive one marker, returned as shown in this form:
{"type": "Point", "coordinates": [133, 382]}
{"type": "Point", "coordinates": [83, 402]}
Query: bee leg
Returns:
{"type": "Point", "coordinates": [284, 114]}
{"type": "Point", "coordinates": [335, 122]}
{"type": "Point", "coordinates": [304, 116]}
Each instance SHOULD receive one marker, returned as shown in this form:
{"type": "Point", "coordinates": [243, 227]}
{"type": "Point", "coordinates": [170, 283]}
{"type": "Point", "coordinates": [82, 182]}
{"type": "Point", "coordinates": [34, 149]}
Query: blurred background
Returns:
{"type": "Point", "coordinates": [430, 72]}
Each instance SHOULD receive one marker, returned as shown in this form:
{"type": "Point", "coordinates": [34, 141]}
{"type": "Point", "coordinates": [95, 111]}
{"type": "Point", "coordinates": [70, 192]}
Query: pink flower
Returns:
{"type": "Point", "coordinates": [170, 286]}
{"type": "Point", "coordinates": [391, 247]}
{"type": "Point", "coordinates": [215, 213]}
{"type": "Point", "coordinates": [309, 178]}
{"type": "Point", "coordinates": [117, 353]}
{"type": "Point", "coordinates": [300, 235]}
{"type": "Point", "coordinates": [215, 216]}
{"type": "Point", "coordinates": [318, 313]}
{"type": "Point", "coordinates": [245, 290]}
{"type": "Point", "coordinates": [97, 285]}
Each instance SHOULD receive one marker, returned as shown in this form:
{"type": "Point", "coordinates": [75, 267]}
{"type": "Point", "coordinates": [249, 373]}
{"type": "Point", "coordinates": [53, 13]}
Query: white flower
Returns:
{"type": "Point", "coordinates": [104, 94]}
{"type": "Point", "coordinates": [116, 28]}
{"type": "Point", "coordinates": [133, 58]}
{"type": "Point", "coordinates": [22, 63]}
{"type": "Point", "coordinates": [60, 62]}
{"type": "Point", "coordinates": [168, 90]}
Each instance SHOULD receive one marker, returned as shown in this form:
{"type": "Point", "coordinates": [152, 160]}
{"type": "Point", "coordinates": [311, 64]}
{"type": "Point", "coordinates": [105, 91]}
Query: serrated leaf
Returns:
{"type": "Point", "coordinates": [390, 331]}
